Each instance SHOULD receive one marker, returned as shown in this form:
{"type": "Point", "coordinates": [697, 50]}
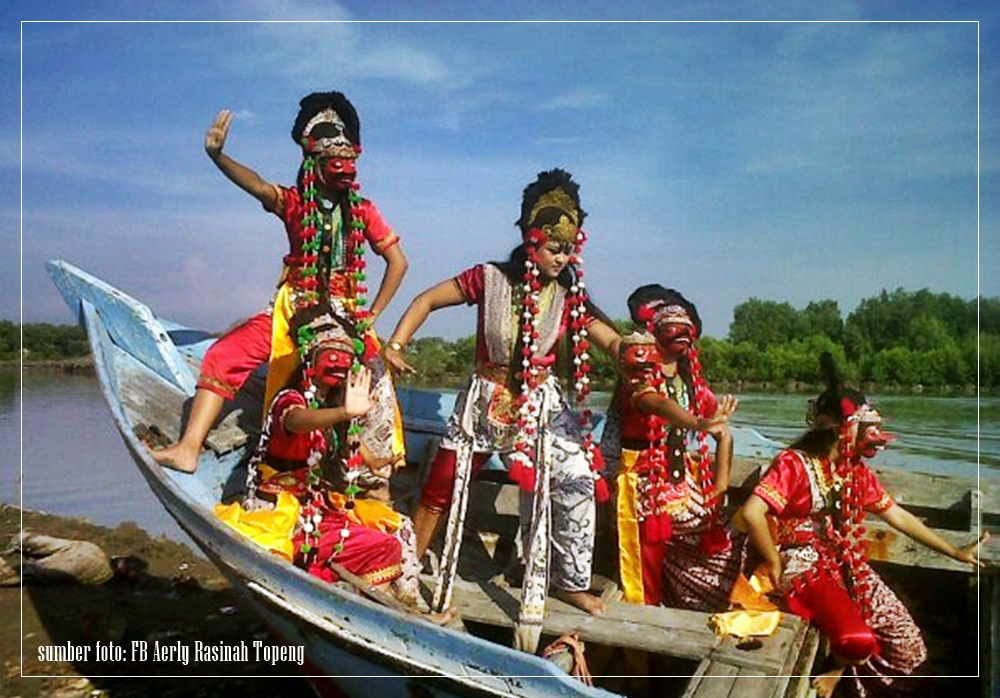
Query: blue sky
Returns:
{"type": "Point", "coordinates": [790, 161]}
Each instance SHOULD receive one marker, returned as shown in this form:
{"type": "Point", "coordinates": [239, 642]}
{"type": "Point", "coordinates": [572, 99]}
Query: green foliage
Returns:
{"type": "Point", "coordinates": [897, 338]}
{"type": "Point", "coordinates": [763, 323]}
{"type": "Point", "coordinates": [42, 341]}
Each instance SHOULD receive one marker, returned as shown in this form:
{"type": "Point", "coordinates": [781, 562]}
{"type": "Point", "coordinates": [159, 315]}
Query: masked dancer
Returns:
{"type": "Point", "coordinates": [674, 545]}
{"type": "Point", "coordinates": [328, 224]}
{"type": "Point", "coordinates": [805, 519]}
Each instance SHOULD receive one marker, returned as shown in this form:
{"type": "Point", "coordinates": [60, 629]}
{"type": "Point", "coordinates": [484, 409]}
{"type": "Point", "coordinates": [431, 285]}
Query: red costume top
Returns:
{"type": "Point", "coordinates": [290, 209]}
{"type": "Point", "coordinates": [285, 446]}
{"type": "Point", "coordinates": [799, 489]}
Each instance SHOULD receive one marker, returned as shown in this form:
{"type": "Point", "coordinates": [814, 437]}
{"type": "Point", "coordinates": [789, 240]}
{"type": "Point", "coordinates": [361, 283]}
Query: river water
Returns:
{"type": "Point", "coordinates": [60, 452]}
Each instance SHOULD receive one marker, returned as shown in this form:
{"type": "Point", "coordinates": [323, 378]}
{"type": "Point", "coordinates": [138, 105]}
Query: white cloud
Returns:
{"type": "Point", "coordinates": [582, 98]}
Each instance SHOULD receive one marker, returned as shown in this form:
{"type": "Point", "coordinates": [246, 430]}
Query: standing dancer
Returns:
{"type": "Point", "coordinates": [805, 519]}
{"type": "Point", "coordinates": [674, 544]}
{"type": "Point", "coordinates": [327, 223]}
{"type": "Point", "coordinates": [513, 404]}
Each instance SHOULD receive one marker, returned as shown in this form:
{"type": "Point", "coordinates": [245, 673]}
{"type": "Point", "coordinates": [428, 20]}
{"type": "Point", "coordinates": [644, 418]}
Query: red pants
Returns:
{"type": "Point", "coordinates": [826, 603]}
{"type": "Point", "coordinates": [236, 355]}
{"type": "Point", "coordinates": [369, 553]}
{"type": "Point", "coordinates": [436, 492]}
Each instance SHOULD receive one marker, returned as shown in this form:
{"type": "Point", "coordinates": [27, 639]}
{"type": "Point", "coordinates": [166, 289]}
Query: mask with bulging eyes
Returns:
{"type": "Point", "coordinates": [336, 156]}
{"type": "Point", "coordinates": [640, 362]}
{"type": "Point", "coordinates": [871, 439]}
{"type": "Point", "coordinates": [332, 366]}
{"type": "Point", "coordinates": [675, 338]}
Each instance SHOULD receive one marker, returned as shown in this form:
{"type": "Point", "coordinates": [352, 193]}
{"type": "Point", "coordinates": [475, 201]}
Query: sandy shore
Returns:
{"type": "Point", "coordinates": [180, 599]}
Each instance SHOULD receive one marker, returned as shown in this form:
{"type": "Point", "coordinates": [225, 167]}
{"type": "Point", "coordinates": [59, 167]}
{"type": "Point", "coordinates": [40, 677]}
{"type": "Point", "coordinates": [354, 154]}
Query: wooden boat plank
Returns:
{"type": "Point", "coordinates": [944, 492]}
{"type": "Point", "coordinates": [886, 544]}
{"type": "Point", "coordinates": [673, 632]}
{"type": "Point", "coordinates": [153, 401]}
{"type": "Point", "coordinates": [756, 684]}
{"type": "Point", "coordinates": [712, 680]}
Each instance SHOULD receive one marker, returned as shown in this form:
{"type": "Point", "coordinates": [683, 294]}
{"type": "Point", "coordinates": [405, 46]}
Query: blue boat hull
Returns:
{"type": "Point", "coordinates": [345, 635]}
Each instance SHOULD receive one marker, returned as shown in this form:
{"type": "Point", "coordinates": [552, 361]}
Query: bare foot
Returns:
{"type": "Point", "coordinates": [825, 683]}
{"type": "Point", "coordinates": [442, 618]}
{"type": "Point", "coordinates": [583, 600]}
{"type": "Point", "coordinates": [177, 457]}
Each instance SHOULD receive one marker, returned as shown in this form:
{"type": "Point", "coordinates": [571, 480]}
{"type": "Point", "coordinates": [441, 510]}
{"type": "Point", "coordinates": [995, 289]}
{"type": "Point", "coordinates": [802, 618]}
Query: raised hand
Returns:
{"type": "Point", "coordinates": [357, 395]}
{"type": "Point", "coordinates": [215, 137]}
{"type": "Point", "coordinates": [718, 424]}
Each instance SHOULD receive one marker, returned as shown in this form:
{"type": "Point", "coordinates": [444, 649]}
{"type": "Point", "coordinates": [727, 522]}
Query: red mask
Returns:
{"type": "Point", "coordinates": [338, 172]}
{"type": "Point", "coordinates": [640, 362]}
{"type": "Point", "coordinates": [674, 338]}
{"type": "Point", "coordinates": [871, 439]}
{"type": "Point", "coordinates": [332, 366]}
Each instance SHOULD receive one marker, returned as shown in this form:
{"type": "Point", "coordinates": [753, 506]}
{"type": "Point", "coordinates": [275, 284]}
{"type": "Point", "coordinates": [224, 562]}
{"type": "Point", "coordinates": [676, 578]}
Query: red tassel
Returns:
{"type": "Point", "coordinates": [666, 527]}
{"type": "Point", "coordinates": [651, 529]}
{"type": "Point", "coordinates": [522, 475]}
{"type": "Point", "coordinates": [601, 491]}
{"type": "Point", "coordinates": [597, 458]}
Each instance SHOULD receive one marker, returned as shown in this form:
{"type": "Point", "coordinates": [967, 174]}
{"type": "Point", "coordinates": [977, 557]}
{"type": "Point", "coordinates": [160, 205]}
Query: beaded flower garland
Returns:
{"type": "Point", "coordinates": [844, 530]}
{"type": "Point", "coordinates": [700, 402]}
{"type": "Point", "coordinates": [310, 291]}
{"type": "Point", "coordinates": [534, 368]}
{"type": "Point", "coordinates": [846, 526]}
{"type": "Point", "coordinates": [652, 314]}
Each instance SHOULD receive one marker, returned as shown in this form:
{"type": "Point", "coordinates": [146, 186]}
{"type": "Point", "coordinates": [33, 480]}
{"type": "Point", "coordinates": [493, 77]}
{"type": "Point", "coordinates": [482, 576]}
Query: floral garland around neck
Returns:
{"type": "Point", "coordinates": [843, 530]}
{"type": "Point", "coordinates": [309, 294]}
{"type": "Point", "coordinates": [534, 368]}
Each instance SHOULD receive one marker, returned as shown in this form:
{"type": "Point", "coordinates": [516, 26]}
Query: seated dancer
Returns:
{"type": "Point", "coordinates": [674, 545]}
{"type": "Point", "coordinates": [805, 519]}
{"type": "Point", "coordinates": [311, 448]}
{"type": "Point", "coordinates": [513, 404]}
{"type": "Point", "coordinates": [327, 223]}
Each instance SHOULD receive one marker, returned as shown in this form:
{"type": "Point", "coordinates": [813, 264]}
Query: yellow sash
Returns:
{"type": "Point", "coordinates": [284, 361]}
{"type": "Point", "coordinates": [270, 529]}
{"type": "Point", "coordinates": [629, 552]}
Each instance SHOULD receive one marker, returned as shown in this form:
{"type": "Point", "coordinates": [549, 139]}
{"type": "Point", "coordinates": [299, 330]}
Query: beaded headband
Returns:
{"type": "Point", "coordinates": [338, 145]}
{"type": "Point", "coordinates": [658, 313]}
{"type": "Point", "coordinates": [866, 414]}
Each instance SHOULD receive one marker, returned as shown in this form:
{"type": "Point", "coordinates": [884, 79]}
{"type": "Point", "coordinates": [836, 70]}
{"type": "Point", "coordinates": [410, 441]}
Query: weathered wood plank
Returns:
{"type": "Point", "coordinates": [925, 490]}
{"type": "Point", "coordinates": [151, 400]}
{"type": "Point", "coordinates": [756, 684]}
{"type": "Point", "coordinates": [712, 680]}
{"type": "Point", "coordinates": [673, 632]}
{"type": "Point", "coordinates": [886, 544]}
{"type": "Point", "coordinates": [799, 673]}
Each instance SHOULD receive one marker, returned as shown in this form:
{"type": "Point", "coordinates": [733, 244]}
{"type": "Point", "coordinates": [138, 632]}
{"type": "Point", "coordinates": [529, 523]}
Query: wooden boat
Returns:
{"type": "Point", "coordinates": [147, 367]}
